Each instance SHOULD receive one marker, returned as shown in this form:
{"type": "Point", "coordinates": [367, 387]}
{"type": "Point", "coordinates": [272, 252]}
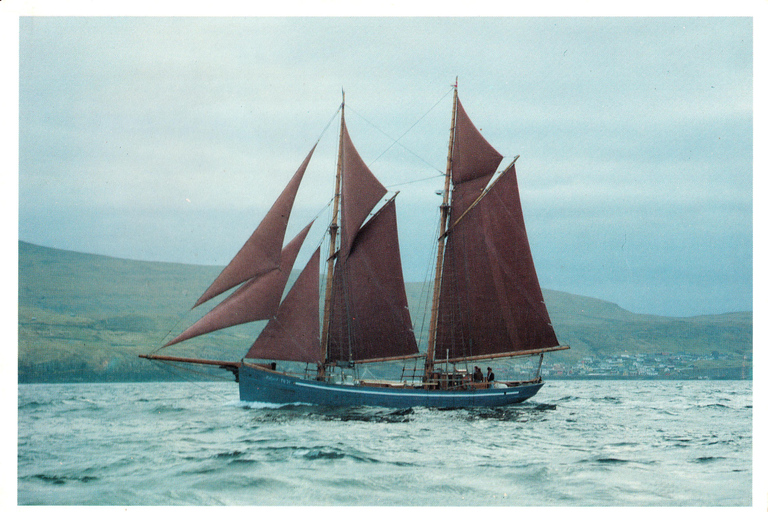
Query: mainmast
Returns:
{"type": "Point", "coordinates": [429, 362]}
{"type": "Point", "coordinates": [332, 251]}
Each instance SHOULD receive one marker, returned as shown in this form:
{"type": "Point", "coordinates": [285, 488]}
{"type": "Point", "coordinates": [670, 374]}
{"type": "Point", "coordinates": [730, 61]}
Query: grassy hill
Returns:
{"type": "Point", "coordinates": [84, 317]}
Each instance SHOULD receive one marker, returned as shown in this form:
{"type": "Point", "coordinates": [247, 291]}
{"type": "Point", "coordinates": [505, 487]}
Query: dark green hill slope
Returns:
{"type": "Point", "coordinates": [86, 317]}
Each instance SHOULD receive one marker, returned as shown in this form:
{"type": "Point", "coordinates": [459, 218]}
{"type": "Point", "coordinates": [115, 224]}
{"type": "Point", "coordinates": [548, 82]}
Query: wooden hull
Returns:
{"type": "Point", "coordinates": [257, 385]}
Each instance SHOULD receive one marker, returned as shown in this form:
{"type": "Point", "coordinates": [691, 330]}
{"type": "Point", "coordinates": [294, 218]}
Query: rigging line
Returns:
{"type": "Point", "coordinates": [320, 212]}
{"type": "Point", "coordinates": [173, 328]}
{"type": "Point", "coordinates": [413, 125]}
{"type": "Point", "coordinates": [317, 216]}
{"type": "Point", "coordinates": [414, 181]}
{"type": "Point", "coordinates": [329, 123]}
{"type": "Point", "coordinates": [397, 140]}
{"type": "Point", "coordinates": [182, 374]}
{"type": "Point", "coordinates": [425, 299]}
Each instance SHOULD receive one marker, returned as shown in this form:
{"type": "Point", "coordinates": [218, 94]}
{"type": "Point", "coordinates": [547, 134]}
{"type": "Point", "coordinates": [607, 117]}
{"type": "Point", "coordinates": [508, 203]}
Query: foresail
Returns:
{"type": "Point", "coordinates": [293, 334]}
{"type": "Point", "coordinates": [369, 315]}
{"type": "Point", "coordinates": [257, 299]}
{"type": "Point", "coordinates": [261, 252]}
{"type": "Point", "coordinates": [490, 300]}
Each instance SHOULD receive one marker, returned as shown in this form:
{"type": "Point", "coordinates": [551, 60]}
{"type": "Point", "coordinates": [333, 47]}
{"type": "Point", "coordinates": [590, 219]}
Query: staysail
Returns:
{"type": "Point", "coordinates": [490, 299]}
{"type": "Point", "coordinates": [261, 252]}
{"type": "Point", "coordinates": [293, 334]}
{"type": "Point", "coordinates": [257, 299]}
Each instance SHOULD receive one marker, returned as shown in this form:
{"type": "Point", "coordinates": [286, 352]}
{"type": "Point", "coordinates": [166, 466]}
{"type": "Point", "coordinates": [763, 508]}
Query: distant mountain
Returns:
{"type": "Point", "coordinates": [85, 317]}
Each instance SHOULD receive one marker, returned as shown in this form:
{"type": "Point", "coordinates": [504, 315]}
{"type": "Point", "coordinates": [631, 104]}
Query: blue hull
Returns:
{"type": "Point", "coordinates": [272, 387]}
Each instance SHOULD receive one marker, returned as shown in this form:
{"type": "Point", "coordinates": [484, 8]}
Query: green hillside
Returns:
{"type": "Point", "coordinates": [84, 317]}
{"type": "Point", "coordinates": [595, 327]}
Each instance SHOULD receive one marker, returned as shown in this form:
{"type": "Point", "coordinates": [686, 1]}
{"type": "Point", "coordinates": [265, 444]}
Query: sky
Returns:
{"type": "Point", "coordinates": [167, 139]}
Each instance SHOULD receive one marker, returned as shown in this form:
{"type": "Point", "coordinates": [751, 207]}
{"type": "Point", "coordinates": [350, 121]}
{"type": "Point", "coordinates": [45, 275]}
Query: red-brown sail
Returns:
{"type": "Point", "coordinates": [293, 334]}
{"type": "Point", "coordinates": [369, 315]}
{"type": "Point", "coordinates": [474, 162]}
{"type": "Point", "coordinates": [261, 252]}
{"type": "Point", "coordinates": [473, 157]}
{"type": "Point", "coordinates": [464, 194]}
{"type": "Point", "coordinates": [257, 299]}
{"type": "Point", "coordinates": [490, 300]}
{"type": "Point", "coordinates": [360, 191]}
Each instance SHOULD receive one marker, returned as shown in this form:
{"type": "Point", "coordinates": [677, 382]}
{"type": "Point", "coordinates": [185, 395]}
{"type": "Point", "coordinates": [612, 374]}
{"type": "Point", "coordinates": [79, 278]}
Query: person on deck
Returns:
{"type": "Point", "coordinates": [490, 376]}
{"type": "Point", "coordinates": [478, 375]}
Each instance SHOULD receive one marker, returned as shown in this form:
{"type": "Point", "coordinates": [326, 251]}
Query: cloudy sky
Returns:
{"type": "Point", "coordinates": [167, 139]}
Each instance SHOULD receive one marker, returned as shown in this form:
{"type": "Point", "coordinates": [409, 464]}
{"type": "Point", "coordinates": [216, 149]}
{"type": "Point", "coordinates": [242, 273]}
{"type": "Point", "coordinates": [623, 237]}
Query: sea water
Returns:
{"type": "Point", "coordinates": [577, 443]}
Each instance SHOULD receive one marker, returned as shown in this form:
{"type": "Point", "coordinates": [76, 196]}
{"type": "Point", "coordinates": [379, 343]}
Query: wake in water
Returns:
{"type": "Point", "coordinates": [523, 412]}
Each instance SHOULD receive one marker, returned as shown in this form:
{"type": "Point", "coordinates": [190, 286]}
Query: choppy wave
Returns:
{"type": "Point", "coordinates": [575, 444]}
{"type": "Point", "coordinates": [63, 479]}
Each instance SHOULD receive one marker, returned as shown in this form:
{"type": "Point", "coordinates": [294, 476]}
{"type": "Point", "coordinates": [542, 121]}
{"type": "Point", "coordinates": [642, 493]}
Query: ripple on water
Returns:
{"type": "Point", "coordinates": [62, 479]}
{"type": "Point", "coordinates": [708, 459]}
{"type": "Point", "coordinates": [579, 443]}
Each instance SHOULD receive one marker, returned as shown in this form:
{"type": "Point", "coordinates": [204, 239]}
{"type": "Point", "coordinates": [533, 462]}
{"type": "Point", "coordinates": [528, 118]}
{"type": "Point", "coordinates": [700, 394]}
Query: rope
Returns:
{"type": "Point", "coordinates": [329, 123]}
{"type": "Point", "coordinates": [183, 375]}
{"type": "Point", "coordinates": [173, 328]}
{"type": "Point", "coordinates": [413, 125]}
{"type": "Point", "coordinates": [397, 140]}
{"type": "Point", "coordinates": [414, 181]}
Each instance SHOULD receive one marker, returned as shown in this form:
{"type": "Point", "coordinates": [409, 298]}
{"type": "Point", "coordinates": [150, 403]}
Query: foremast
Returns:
{"type": "Point", "coordinates": [358, 325]}
{"type": "Point", "coordinates": [445, 209]}
{"type": "Point", "coordinates": [333, 231]}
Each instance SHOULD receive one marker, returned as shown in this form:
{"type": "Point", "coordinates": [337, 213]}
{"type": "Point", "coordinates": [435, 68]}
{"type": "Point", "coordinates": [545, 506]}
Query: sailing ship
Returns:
{"type": "Point", "coordinates": [486, 299]}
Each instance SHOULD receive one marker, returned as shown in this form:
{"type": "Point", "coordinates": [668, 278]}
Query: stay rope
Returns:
{"type": "Point", "coordinates": [396, 141]}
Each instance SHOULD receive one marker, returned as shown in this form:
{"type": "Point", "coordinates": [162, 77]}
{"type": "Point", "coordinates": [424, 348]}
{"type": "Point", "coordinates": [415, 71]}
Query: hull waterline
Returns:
{"type": "Point", "coordinates": [258, 385]}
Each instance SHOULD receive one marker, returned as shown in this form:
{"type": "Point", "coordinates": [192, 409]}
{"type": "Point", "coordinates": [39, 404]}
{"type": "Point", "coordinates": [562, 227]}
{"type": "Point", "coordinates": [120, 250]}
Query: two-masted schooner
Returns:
{"type": "Point", "coordinates": [486, 298]}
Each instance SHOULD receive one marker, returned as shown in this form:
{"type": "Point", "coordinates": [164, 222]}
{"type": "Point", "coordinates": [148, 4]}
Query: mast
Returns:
{"type": "Point", "coordinates": [333, 230]}
{"type": "Point", "coordinates": [429, 362]}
